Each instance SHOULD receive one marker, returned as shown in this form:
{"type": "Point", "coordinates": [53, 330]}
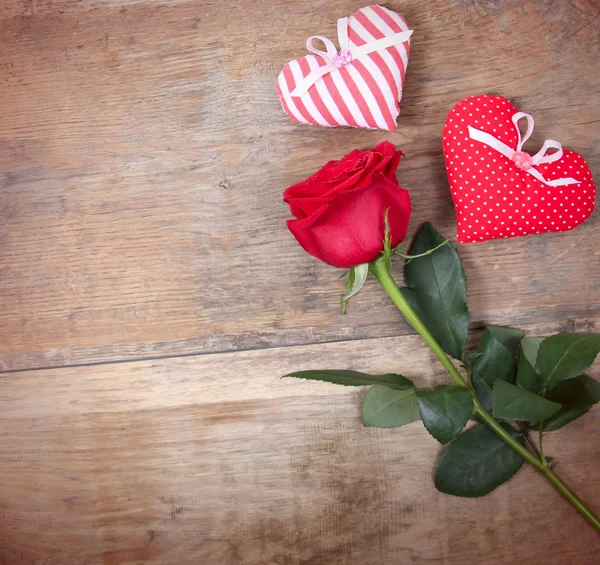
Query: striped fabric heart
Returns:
{"type": "Point", "coordinates": [359, 86]}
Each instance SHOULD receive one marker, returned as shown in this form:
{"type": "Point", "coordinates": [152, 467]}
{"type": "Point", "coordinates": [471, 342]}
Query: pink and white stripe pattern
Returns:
{"type": "Point", "coordinates": [362, 85]}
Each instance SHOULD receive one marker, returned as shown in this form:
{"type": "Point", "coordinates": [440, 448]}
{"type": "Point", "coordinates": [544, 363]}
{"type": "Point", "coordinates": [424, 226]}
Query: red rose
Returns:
{"type": "Point", "coordinates": [340, 210]}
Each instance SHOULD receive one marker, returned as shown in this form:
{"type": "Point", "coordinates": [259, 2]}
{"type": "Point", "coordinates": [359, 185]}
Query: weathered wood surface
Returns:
{"type": "Point", "coordinates": [213, 459]}
{"type": "Point", "coordinates": [143, 153]}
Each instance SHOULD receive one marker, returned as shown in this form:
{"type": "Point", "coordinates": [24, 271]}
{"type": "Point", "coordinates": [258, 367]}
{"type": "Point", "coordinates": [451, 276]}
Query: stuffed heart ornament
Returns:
{"type": "Point", "coordinates": [359, 86]}
{"type": "Point", "coordinates": [501, 191]}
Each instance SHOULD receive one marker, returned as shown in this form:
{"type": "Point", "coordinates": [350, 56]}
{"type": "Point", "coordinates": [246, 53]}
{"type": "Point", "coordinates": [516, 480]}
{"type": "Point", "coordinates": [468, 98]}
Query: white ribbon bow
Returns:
{"type": "Point", "coordinates": [522, 159]}
{"type": "Point", "coordinates": [346, 55]}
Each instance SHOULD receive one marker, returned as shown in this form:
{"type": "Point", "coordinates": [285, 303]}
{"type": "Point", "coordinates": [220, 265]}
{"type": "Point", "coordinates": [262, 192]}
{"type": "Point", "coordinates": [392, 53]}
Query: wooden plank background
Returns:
{"type": "Point", "coordinates": [151, 296]}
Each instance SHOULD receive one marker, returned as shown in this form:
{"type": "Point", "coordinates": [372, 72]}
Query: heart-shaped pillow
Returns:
{"type": "Point", "coordinates": [361, 86]}
{"type": "Point", "coordinates": [500, 191]}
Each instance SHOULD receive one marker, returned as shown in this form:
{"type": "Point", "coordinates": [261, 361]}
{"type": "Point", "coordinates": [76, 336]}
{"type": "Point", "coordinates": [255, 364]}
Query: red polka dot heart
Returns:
{"type": "Point", "coordinates": [501, 191]}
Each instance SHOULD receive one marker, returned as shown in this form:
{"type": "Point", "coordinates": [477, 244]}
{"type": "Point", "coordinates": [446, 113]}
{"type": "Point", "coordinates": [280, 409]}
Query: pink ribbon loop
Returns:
{"type": "Point", "coordinates": [331, 50]}
{"type": "Point", "coordinates": [522, 159]}
{"type": "Point", "coordinates": [347, 53]}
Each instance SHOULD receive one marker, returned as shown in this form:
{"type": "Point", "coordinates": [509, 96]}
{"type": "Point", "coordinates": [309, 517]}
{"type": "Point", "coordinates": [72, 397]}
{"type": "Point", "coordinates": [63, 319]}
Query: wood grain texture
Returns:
{"type": "Point", "coordinates": [144, 152]}
{"type": "Point", "coordinates": [151, 296]}
{"type": "Point", "coordinates": [213, 459]}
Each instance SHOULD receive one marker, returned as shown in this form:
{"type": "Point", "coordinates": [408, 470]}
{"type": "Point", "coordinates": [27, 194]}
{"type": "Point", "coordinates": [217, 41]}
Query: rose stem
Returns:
{"type": "Point", "coordinates": [381, 271]}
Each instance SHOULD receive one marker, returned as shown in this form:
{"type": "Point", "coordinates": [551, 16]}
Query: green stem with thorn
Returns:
{"type": "Point", "coordinates": [381, 270]}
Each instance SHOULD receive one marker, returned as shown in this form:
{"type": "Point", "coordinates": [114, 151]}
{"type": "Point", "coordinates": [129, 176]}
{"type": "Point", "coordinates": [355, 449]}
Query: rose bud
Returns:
{"type": "Point", "coordinates": [340, 210]}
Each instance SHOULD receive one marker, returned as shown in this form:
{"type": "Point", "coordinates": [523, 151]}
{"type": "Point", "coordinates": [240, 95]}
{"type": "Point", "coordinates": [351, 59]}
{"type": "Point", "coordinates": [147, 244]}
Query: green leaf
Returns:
{"type": "Point", "coordinates": [437, 290]}
{"type": "Point", "coordinates": [508, 337]}
{"type": "Point", "coordinates": [360, 276]}
{"type": "Point", "coordinates": [495, 361]}
{"type": "Point", "coordinates": [411, 257]}
{"type": "Point", "coordinates": [514, 403]}
{"type": "Point", "coordinates": [471, 357]}
{"type": "Point", "coordinates": [477, 462]}
{"type": "Point", "coordinates": [349, 285]}
{"type": "Point", "coordinates": [386, 408]}
{"type": "Point", "coordinates": [530, 347]}
{"type": "Point", "coordinates": [483, 391]}
{"type": "Point", "coordinates": [566, 356]}
{"type": "Point", "coordinates": [577, 396]}
{"type": "Point", "coordinates": [354, 378]}
{"type": "Point", "coordinates": [527, 377]}
{"type": "Point", "coordinates": [356, 280]}
{"type": "Point", "coordinates": [445, 410]}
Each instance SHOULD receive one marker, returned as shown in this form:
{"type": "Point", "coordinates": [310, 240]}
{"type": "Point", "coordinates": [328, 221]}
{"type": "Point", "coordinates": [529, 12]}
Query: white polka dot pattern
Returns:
{"type": "Point", "coordinates": [492, 196]}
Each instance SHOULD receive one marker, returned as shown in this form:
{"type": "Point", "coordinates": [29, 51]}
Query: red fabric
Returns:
{"type": "Point", "coordinates": [496, 199]}
{"type": "Point", "coordinates": [340, 210]}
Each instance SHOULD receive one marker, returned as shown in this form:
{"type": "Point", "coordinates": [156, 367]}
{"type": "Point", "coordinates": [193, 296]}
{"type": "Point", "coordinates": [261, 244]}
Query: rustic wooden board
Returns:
{"type": "Point", "coordinates": [143, 153]}
{"type": "Point", "coordinates": [213, 459]}
{"type": "Point", "coordinates": [150, 295]}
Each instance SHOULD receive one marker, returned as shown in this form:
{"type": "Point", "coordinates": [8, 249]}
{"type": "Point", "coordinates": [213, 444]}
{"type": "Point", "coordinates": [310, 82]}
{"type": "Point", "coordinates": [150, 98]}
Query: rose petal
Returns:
{"type": "Point", "coordinates": [349, 230]}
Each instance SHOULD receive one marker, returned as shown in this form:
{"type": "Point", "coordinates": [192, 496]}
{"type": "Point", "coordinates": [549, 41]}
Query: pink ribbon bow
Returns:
{"type": "Point", "coordinates": [522, 159]}
{"type": "Point", "coordinates": [346, 55]}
